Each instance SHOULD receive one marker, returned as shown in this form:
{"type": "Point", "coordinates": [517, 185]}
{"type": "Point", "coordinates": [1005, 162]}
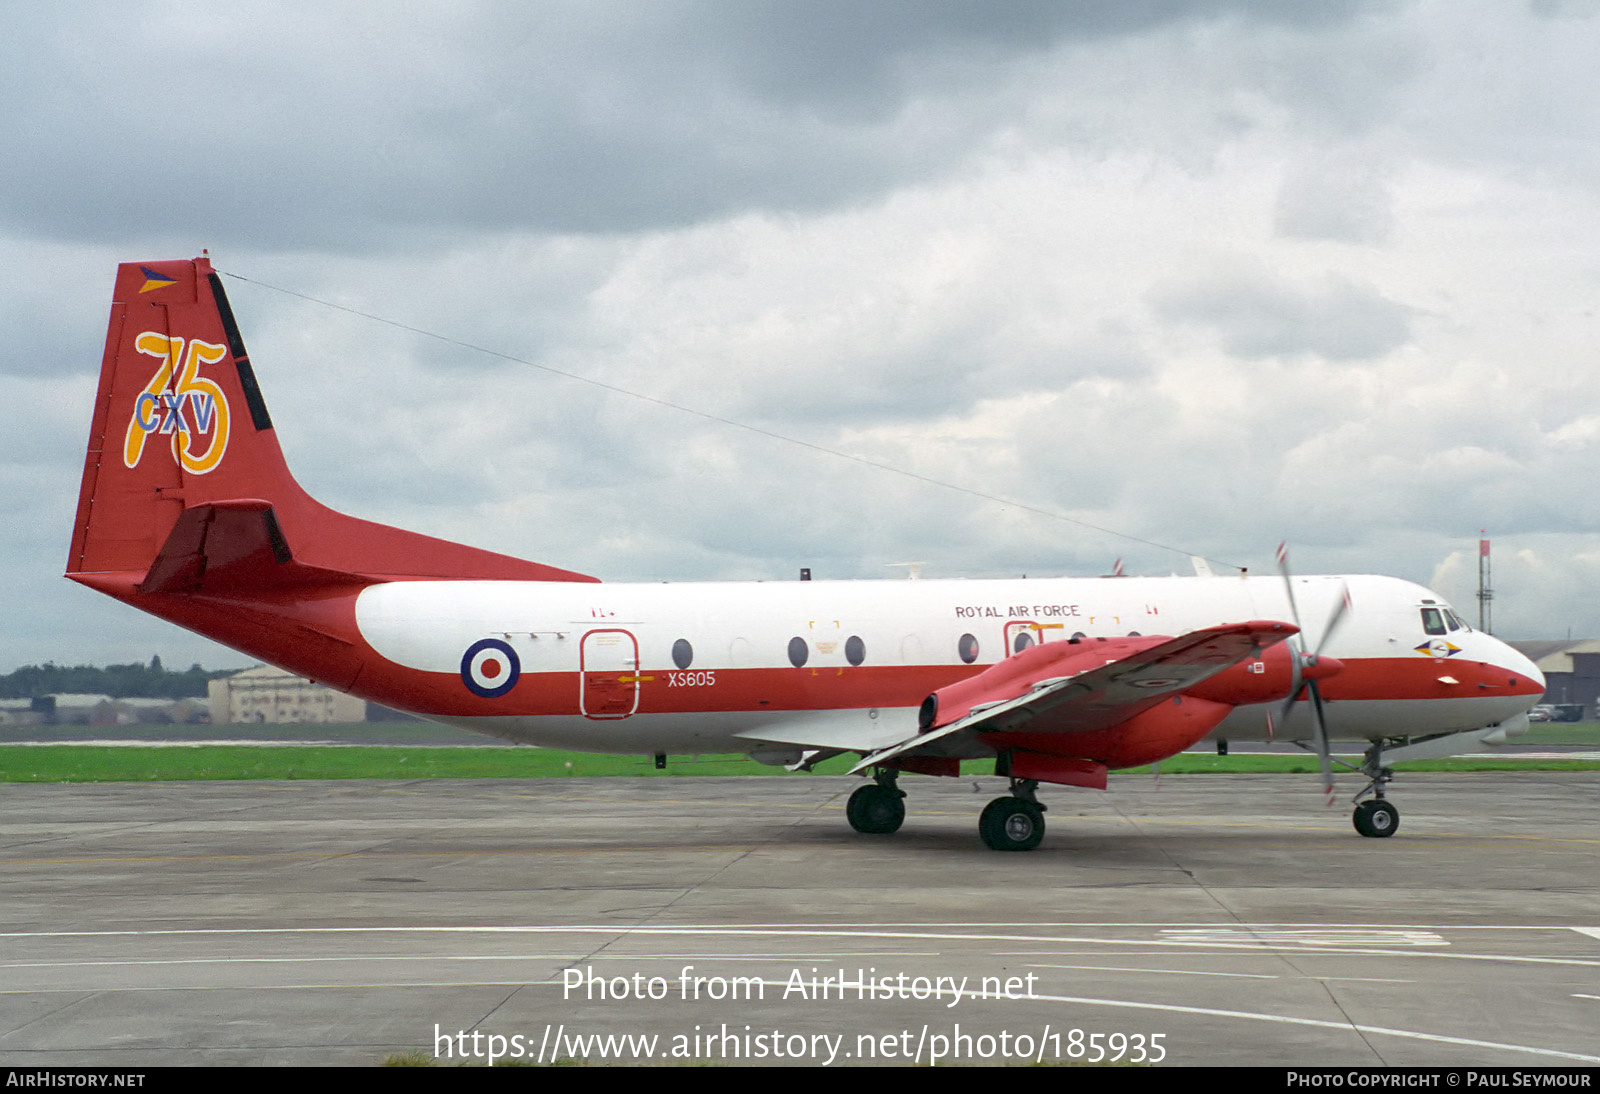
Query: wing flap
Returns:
{"type": "Point", "coordinates": [842, 731]}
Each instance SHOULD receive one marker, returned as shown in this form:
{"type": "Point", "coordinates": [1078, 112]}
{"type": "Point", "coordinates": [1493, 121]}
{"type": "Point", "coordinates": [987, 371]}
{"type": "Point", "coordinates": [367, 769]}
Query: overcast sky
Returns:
{"type": "Point", "coordinates": [1211, 275]}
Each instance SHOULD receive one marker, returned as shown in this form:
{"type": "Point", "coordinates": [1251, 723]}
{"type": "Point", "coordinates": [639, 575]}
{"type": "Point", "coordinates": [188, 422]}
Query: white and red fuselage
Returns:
{"type": "Point", "coordinates": [712, 667]}
{"type": "Point", "coordinates": [188, 511]}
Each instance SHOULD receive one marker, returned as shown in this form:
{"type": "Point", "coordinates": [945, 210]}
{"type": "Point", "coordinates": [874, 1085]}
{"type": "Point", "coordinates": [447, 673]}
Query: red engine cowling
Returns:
{"type": "Point", "coordinates": [1146, 738]}
{"type": "Point", "coordinates": [1265, 679]}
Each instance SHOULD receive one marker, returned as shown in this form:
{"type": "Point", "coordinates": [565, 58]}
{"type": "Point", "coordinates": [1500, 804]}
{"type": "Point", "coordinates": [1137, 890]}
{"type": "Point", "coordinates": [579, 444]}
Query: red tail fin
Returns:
{"type": "Point", "coordinates": [185, 487]}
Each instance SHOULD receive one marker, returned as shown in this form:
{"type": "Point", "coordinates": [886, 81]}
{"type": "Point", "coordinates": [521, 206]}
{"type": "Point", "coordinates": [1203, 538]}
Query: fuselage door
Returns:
{"type": "Point", "coordinates": [1022, 633]}
{"type": "Point", "coordinates": [609, 667]}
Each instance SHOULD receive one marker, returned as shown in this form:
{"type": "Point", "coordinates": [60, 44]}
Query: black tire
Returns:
{"type": "Point", "coordinates": [1377, 818]}
{"type": "Point", "coordinates": [876, 811]}
{"type": "Point", "coordinates": [1011, 824]}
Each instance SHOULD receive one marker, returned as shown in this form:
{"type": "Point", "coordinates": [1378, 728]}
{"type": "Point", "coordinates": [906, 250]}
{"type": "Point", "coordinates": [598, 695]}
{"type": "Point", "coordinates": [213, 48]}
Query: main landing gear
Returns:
{"type": "Point", "coordinates": [1014, 823]}
{"type": "Point", "coordinates": [879, 809]}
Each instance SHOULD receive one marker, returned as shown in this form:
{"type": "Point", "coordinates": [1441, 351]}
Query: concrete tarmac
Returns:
{"type": "Point", "coordinates": [1222, 920]}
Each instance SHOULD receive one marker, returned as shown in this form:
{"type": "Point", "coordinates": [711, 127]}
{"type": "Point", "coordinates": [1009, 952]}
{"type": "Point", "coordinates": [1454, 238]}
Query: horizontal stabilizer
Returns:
{"type": "Point", "coordinates": [230, 547]}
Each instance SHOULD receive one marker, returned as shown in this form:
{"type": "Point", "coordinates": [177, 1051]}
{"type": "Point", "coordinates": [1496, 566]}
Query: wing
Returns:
{"type": "Point", "coordinates": [1076, 688]}
{"type": "Point", "coordinates": [837, 730]}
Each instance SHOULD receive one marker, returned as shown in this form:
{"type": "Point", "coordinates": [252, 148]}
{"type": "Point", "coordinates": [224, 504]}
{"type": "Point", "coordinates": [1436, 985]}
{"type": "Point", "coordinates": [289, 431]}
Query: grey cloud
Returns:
{"type": "Point", "coordinates": [940, 373]}
{"type": "Point", "coordinates": [42, 310]}
{"type": "Point", "coordinates": [332, 128]}
{"type": "Point", "coordinates": [1342, 198]}
{"type": "Point", "coordinates": [827, 50]}
{"type": "Point", "coordinates": [445, 143]}
{"type": "Point", "coordinates": [1565, 9]}
{"type": "Point", "coordinates": [1258, 317]}
{"type": "Point", "coordinates": [317, 130]}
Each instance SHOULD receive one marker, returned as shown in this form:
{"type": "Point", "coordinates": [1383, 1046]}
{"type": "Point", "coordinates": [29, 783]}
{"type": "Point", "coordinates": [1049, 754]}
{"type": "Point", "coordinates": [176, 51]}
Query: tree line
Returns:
{"type": "Point", "coordinates": [132, 681]}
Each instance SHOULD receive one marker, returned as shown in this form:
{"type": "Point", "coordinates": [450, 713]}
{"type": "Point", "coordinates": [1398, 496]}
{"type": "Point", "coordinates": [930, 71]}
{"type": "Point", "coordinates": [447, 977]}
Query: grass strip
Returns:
{"type": "Point", "coordinates": [98, 763]}
{"type": "Point", "coordinates": [135, 763]}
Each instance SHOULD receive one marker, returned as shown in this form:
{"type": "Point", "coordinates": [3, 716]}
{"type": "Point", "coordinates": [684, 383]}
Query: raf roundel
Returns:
{"type": "Point", "coordinates": [490, 668]}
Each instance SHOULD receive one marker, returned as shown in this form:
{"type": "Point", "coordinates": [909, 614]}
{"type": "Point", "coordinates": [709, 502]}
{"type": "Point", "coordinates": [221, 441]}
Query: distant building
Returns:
{"type": "Point", "coordinates": [63, 708]}
{"type": "Point", "coordinates": [266, 695]}
{"type": "Point", "coordinates": [19, 712]}
{"type": "Point", "coordinates": [1571, 671]}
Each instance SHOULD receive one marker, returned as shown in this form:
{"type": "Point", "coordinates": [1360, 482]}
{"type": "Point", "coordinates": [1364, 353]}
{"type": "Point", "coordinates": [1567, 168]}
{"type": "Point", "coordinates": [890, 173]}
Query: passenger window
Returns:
{"type": "Point", "coordinates": [1432, 621]}
{"type": "Point", "coordinates": [1021, 642]}
{"type": "Point", "coordinates": [855, 650]}
{"type": "Point", "coordinates": [967, 647]}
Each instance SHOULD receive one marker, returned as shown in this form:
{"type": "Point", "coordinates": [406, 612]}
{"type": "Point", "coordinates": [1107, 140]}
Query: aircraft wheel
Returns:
{"type": "Point", "coordinates": [1376, 818]}
{"type": "Point", "coordinates": [876, 810]}
{"type": "Point", "coordinates": [1011, 824]}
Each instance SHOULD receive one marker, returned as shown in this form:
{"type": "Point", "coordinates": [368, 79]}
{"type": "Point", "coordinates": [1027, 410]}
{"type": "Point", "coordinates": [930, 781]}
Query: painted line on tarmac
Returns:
{"type": "Point", "coordinates": [688, 931]}
{"type": "Point", "coordinates": [1129, 1004]}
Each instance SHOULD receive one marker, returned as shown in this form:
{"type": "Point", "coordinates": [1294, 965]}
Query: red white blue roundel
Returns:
{"type": "Point", "coordinates": [490, 668]}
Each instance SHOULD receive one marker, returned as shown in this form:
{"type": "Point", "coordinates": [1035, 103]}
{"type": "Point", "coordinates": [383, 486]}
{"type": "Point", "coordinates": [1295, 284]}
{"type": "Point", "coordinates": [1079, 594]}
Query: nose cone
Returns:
{"type": "Point", "coordinates": [1522, 675]}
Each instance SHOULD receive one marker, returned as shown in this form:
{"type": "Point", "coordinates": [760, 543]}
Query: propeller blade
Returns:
{"type": "Point", "coordinates": [1324, 750]}
{"type": "Point", "coordinates": [1299, 660]}
{"type": "Point", "coordinates": [1341, 608]}
{"type": "Point", "coordinates": [1295, 691]}
{"type": "Point", "coordinates": [1288, 583]}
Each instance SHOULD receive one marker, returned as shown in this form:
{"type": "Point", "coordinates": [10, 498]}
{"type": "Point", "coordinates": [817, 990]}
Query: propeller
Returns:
{"type": "Point", "coordinates": [1308, 668]}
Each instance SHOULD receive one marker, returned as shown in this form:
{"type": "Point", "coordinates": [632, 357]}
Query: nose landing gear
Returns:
{"type": "Point", "coordinates": [1376, 818]}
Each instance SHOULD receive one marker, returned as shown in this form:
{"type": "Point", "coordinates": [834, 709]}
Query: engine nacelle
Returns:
{"type": "Point", "coordinates": [1264, 679]}
{"type": "Point", "coordinates": [1148, 737]}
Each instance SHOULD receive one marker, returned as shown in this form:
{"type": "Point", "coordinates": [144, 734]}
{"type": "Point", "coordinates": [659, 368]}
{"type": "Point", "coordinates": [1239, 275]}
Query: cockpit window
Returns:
{"type": "Point", "coordinates": [1432, 621]}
